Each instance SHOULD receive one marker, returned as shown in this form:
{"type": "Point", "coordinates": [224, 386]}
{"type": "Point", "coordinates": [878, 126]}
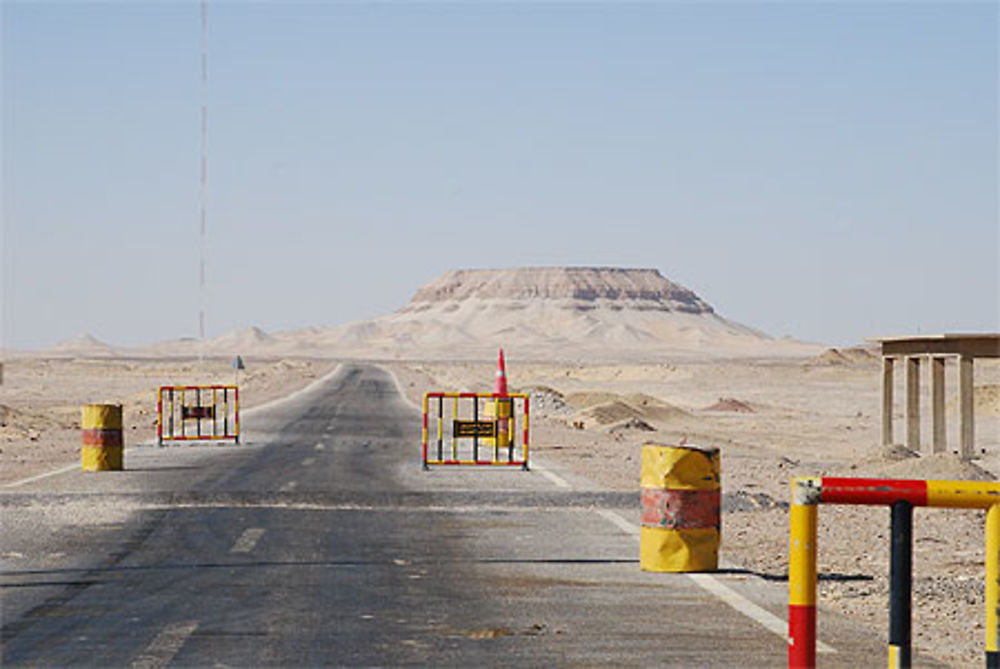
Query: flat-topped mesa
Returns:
{"type": "Point", "coordinates": [642, 289]}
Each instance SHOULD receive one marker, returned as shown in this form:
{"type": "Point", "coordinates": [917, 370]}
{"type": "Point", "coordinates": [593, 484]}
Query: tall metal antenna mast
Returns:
{"type": "Point", "coordinates": [204, 176]}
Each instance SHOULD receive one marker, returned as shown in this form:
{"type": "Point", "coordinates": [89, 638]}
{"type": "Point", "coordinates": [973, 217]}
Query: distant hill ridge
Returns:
{"type": "Point", "coordinates": [589, 313]}
{"type": "Point", "coordinates": [646, 287]}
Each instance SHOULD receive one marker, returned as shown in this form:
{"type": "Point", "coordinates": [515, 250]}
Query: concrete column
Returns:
{"type": "Point", "coordinates": [887, 400]}
{"type": "Point", "coordinates": [966, 424]}
{"type": "Point", "coordinates": [940, 443]}
{"type": "Point", "coordinates": [913, 403]}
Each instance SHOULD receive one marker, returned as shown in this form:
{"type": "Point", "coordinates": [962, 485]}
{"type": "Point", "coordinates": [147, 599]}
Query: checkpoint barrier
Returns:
{"type": "Point", "coordinates": [467, 425]}
{"type": "Point", "coordinates": [901, 496]}
{"type": "Point", "coordinates": [214, 414]}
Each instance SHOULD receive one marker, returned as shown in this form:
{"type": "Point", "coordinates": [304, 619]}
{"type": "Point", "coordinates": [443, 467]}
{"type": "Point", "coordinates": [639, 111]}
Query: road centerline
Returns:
{"type": "Point", "coordinates": [165, 646]}
{"type": "Point", "coordinates": [248, 540]}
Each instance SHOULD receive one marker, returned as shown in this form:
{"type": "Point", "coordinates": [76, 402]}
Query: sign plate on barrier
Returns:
{"type": "Point", "coordinates": [193, 413]}
{"type": "Point", "coordinates": [476, 428]}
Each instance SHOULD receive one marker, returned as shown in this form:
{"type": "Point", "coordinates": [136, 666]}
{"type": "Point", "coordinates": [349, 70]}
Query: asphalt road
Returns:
{"type": "Point", "coordinates": [323, 542]}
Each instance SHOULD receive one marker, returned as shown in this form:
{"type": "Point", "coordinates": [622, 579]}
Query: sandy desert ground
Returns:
{"type": "Point", "coordinates": [773, 419]}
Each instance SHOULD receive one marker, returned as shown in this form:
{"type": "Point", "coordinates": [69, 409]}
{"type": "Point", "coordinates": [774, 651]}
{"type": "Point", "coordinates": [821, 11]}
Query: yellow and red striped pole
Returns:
{"type": "Point", "coordinates": [102, 437]}
{"type": "Point", "coordinates": [526, 420]}
{"type": "Point", "coordinates": [993, 587]}
{"type": "Point", "coordinates": [802, 573]}
{"type": "Point", "coordinates": [424, 432]}
{"type": "Point", "coordinates": [236, 414]}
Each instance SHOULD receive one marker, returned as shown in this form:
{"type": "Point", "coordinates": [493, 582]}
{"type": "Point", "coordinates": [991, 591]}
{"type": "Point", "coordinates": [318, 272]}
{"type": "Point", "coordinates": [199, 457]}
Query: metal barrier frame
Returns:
{"type": "Point", "coordinates": [454, 461]}
{"type": "Point", "coordinates": [198, 436]}
{"type": "Point", "coordinates": [901, 496]}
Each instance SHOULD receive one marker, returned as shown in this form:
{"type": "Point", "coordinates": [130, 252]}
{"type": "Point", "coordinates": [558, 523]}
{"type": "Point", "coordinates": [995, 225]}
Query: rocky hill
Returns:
{"type": "Point", "coordinates": [633, 288]}
{"type": "Point", "coordinates": [550, 312]}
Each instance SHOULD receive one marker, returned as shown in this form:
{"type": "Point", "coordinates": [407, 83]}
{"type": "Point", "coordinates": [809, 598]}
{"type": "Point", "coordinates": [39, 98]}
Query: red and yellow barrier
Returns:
{"type": "Point", "coordinates": [198, 413]}
{"type": "Point", "coordinates": [468, 425]}
{"type": "Point", "coordinates": [901, 496]}
{"type": "Point", "coordinates": [101, 436]}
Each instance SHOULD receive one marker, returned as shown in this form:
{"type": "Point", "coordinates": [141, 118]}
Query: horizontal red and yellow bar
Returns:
{"type": "Point", "coordinates": [213, 387]}
{"type": "Point", "coordinates": [886, 492]}
{"type": "Point", "coordinates": [481, 463]}
{"type": "Point", "coordinates": [480, 395]}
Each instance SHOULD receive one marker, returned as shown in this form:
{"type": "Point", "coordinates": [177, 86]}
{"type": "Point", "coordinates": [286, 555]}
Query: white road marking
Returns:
{"type": "Point", "coordinates": [734, 599]}
{"type": "Point", "coordinates": [308, 461]}
{"type": "Point", "coordinates": [165, 646]}
{"type": "Point", "coordinates": [623, 525]}
{"type": "Point", "coordinates": [320, 447]}
{"type": "Point", "coordinates": [39, 477]}
{"type": "Point", "coordinates": [556, 479]}
{"type": "Point", "coordinates": [748, 608]}
{"type": "Point", "coordinates": [247, 540]}
{"type": "Point", "coordinates": [288, 487]}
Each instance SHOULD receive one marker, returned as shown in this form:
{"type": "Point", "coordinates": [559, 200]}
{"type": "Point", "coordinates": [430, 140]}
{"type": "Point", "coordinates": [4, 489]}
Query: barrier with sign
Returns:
{"type": "Point", "coordinates": [197, 413]}
{"type": "Point", "coordinates": [475, 429]}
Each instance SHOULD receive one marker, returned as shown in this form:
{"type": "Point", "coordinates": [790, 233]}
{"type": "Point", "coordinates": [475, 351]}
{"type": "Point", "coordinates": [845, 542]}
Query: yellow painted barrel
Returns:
{"type": "Point", "coordinates": [681, 496]}
{"type": "Point", "coordinates": [102, 437]}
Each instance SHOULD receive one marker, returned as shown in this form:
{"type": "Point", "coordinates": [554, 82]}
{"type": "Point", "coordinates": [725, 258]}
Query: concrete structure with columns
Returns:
{"type": "Point", "coordinates": [934, 350]}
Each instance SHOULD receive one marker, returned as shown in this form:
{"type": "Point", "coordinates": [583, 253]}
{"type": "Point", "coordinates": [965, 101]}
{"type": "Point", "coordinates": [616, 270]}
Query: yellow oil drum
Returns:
{"type": "Point", "coordinates": [680, 493]}
{"type": "Point", "coordinates": [102, 437]}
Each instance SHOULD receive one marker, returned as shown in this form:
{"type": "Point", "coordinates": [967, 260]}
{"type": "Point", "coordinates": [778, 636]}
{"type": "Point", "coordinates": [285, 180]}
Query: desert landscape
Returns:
{"type": "Point", "coordinates": [612, 359]}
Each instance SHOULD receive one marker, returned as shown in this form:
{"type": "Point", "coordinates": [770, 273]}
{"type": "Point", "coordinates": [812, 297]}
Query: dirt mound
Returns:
{"type": "Point", "coordinates": [16, 424]}
{"type": "Point", "coordinates": [606, 408]}
{"type": "Point", "coordinates": [611, 412]}
{"type": "Point", "coordinates": [84, 346]}
{"type": "Point", "coordinates": [586, 399]}
{"type": "Point", "coordinates": [853, 355]}
{"type": "Point", "coordinates": [832, 356]}
{"type": "Point", "coordinates": [631, 425]}
{"type": "Point", "coordinates": [899, 462]}
{"type": "Point", "coordinates": [732, 405]}
{"type": "Point", "coordinates": [653, 408]}
{"type": "Point", "coordinates": [546, 401]}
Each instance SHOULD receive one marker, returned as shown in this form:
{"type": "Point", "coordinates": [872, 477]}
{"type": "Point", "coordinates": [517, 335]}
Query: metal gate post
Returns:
{"type": "Point", "coordinates": [993, 587]}
{"type": "Point", "coordinates": [901, 586]}
{"type": "Point", "coordinates": [802, 575]}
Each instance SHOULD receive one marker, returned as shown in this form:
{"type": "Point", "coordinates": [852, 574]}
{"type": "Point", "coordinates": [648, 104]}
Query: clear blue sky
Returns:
{"type": "Point", "coordinates": [827, 171]}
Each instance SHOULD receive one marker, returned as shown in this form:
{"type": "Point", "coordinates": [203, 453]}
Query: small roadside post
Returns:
{"type": "Point", "coordinates": [237, 366]}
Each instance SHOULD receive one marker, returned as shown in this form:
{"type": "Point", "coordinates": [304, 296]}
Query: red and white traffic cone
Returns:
{"type": "Point", "coordinates": [503, 408]}
{"type": "Point", "coordinates": [501, 383]}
